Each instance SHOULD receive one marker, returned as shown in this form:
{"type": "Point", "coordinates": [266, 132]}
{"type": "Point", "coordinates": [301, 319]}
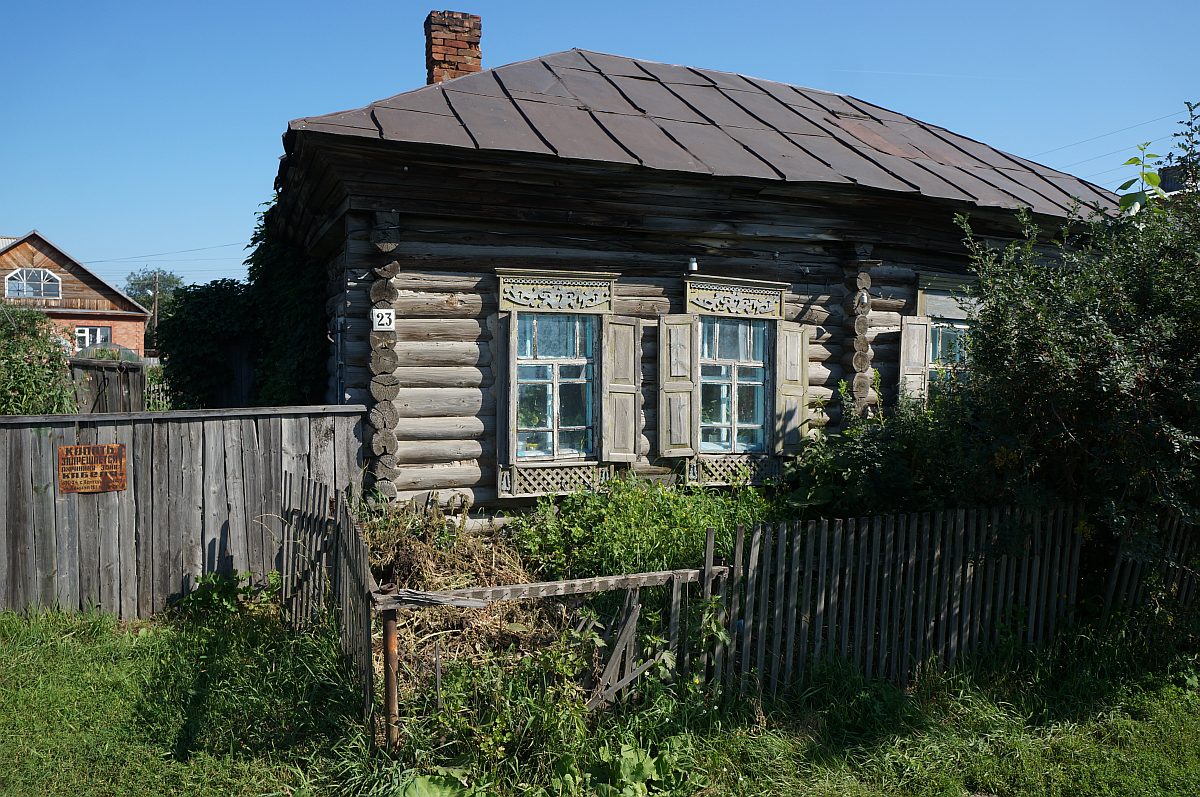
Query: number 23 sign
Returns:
{"type": "Point", "coordinates": [383, 320]}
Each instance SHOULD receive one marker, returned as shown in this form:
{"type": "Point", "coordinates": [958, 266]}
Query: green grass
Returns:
{"type": "Point", "coordinates": [221, 699]}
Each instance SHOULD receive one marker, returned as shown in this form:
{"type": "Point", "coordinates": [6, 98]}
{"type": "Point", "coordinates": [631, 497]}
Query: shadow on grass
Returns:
{"type": "Point", "coordinates": [234, 679]}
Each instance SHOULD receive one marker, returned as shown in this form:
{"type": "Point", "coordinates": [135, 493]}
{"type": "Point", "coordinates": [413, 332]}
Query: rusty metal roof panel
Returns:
{"type": "Point", "coordinates": [587, 106]}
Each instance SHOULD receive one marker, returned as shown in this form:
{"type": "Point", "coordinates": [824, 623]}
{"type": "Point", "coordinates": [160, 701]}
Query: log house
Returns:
{"type": "Point", "coordinates": [598, 263]}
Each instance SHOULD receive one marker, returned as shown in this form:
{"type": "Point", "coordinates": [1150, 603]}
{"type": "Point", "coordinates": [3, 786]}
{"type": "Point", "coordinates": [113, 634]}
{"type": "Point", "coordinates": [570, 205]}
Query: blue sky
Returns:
{"type": "Point", "coordinates": [133, 129]}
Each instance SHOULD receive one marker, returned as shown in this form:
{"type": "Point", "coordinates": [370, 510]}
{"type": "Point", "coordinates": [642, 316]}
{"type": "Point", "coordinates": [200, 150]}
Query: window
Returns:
{"type": "Point", "coordinates": [32, 283]}
{"type": "Point", "coordinates": [555, 373]}
{"type": "Point", "coordinates": [733, 385]}
{"type": "Point", "coordinates": [92, 336]}
{"type": "Point", "coordinates": [933, 343]}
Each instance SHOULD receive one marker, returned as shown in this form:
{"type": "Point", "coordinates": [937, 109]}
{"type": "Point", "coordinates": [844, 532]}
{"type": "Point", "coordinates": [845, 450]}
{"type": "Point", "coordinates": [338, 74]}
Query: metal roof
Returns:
{"type": "Point", "coordinates": [590, 106]}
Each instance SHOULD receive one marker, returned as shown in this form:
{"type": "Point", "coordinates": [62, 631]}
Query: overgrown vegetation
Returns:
{"type": "Point", "coordinates": [646, 526]}
{"type": "Point", "coordinates": [1084, 362]}
{"type": "Point", "coordinates": [222, 699]}
{"type": "Point", "coordinates": [272, 325]}
{"type": "Point", "coordinates": [34, 375]}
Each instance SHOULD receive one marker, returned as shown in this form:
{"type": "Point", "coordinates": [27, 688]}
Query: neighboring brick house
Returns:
{"type": "Point", "coordinates": [89, 311]}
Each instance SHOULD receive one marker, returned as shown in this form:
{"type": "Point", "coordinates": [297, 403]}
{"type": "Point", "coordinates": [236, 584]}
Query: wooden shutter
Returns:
{"type": "Point", "coordinates": [791, 386]}
{"type": "Point", "coordinates": [914, 356]}
{"type": "Point", "coordinates": [620, 387]}
{"type": "Point", "coordinates": [678, 385]}
{"type": "Point", "coordinates": [504, 369]}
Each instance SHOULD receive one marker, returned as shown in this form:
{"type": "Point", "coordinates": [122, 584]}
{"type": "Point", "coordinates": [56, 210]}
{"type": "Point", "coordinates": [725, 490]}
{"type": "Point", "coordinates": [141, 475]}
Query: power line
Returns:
{"type": "Point", "coordinates": [1116, 152]}
{"type": "Point", "coordinates": [1106, 135]}
{"type": "Point", "coordinates": [160, 254]}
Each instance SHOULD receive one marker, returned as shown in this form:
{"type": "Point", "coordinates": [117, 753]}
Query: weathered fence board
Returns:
{"type": "Point", "coordinates": [203, 492]}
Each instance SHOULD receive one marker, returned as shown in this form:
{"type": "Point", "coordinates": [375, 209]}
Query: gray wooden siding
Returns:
{"type": "Point", "coordinates": [204, 493]}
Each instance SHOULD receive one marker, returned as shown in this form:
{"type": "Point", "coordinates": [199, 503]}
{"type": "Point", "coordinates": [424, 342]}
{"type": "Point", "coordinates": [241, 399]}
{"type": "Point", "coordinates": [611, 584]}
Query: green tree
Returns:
{"type": "Point", "coordinates": [34, 375]}
{"type": "Point", "coordinates": [204, 342]}
{"type": "Point", "coordinates": [154, 289]}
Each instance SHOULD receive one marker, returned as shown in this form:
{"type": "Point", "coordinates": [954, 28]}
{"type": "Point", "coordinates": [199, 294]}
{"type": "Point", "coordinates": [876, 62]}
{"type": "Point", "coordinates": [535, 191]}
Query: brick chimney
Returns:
{"type": "Point", "coordinates": [452, 44]}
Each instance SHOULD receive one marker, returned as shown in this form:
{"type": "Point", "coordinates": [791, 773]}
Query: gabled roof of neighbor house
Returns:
{"type": "Point", "coordinates": [590, 106]}
{"type": "Point", "coordinates": [11, 242]}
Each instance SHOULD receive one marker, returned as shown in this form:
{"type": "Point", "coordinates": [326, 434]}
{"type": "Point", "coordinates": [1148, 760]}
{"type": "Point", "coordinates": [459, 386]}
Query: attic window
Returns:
{"type": "Point", "coordinates": [32, 283]}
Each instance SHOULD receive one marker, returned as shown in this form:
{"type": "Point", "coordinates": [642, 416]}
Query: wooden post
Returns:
{"type": "Point", "coordinates": [391, 663]}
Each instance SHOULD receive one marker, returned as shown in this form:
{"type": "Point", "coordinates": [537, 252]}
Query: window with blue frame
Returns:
{"type": "Point", "coordinates": [555, 386]}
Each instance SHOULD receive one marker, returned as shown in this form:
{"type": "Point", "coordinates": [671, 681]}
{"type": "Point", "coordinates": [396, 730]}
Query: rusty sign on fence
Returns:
{"type": "Point", "coordinates": [91, 469]}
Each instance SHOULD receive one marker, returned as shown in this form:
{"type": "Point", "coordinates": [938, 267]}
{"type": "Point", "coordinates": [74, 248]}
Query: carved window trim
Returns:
{"type": "Point", "coordinates": [556, 291]}
{"type": "Point", "coordinates": [738, 298]}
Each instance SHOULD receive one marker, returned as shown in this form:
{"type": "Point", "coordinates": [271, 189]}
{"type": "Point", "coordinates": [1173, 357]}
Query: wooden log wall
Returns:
{"type": "Point", "coordinates": [424, 236]}
{"type": "Point", "coordinates": [203, 494]}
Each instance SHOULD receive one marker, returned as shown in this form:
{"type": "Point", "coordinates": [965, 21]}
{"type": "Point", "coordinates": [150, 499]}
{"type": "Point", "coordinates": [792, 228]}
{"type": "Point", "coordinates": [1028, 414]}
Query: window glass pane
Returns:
{"type": "Point", "coordinates": [750, 373]}
{"type": "Point", "coordinates": [574, 372]}
{"type": "Point", "coordinates": [534, 444]}
{"type": "Point", "coordinates": [708, 337]}
{"type": "Point", "coordinates": [714, 372]}
{"type": "Point", "coordinates": [757, 351]}
{"type": "Point", "coordinates": [534, 372]}
{"type": "Point", "coordinates": [525, 335]}
{"type": "Point", "coordinates": [575, 441]}
{"type": "Point", "coordinates": [715, 403]}
{"type": "Point", "coordinates": [751, 402]}
{"type": "Point", "coordinates": [730, 339]}
{"type": "Point", "coordinates": [586, 334]}
{"type": "Point", "coordinates": [555, 336]}
{"type": "Point", "coordinates": [104, 334]}
{"type": "Point", "coordinates": [715, 438]}
{"type": "Point", "coordinates": [574, 408]}
{"type": "Point", "coordinates": [750, 439]}
{"type": "Point", "coordinates": [533, 406]}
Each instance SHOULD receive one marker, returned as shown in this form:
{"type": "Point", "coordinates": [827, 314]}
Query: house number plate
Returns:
{"type": "Point", "coordinates": [383, 320]}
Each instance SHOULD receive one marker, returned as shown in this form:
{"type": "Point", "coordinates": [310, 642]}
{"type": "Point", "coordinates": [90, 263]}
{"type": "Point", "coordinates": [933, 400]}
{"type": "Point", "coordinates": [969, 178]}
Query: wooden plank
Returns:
{"type": "Point", "coordinates": [737, 571]}
{"type": "Point", "coordinates": [762, 618]}
{"type": "Point", "coordinates": [188, 415]}
{"type": "Point", "coordinates": [820, 624]}
{"type": "Point", "coordinates": [67, 513]}
{"type": "Point", "coordinates": [706, 588]}
{"type": "Point", "coordinates": [127, 528]}
{"type": "Point", "coordinates": [956, 584]}
{"type": "Point", "coordinates": [899, 598]}
{"type": "Point", "coordinates": [780, 601]}
{"type": "Point", "coordinates": [321, 456]}
{"type": "Point", "coordinates": [1014, 567]}
{"type": "Point", "coordinates": [873, 623]}
{"type": "Point", "coordinates": [977, 524]}
{"type": "Point", "coordinates": [795, 569]}
{"type": "Point", "coordinates": [141, 483]}
{"type": "Point", "coordinates": [807, 610]}
{"type": "Point", "coordinates": [89, 531]}
{"type": "Point", "coordinates": [748, 621]}
{"type": "Point", "coordinates": [889, 570]}
{"type": "Point", "coordinates": [861, 564]}
{"type": "Point", "coordinates": [162, 473]}
{"type": "Point", "coordinates": [5, 583]}
{"type": "Point", "coordinates": [252, 495]}
{"type": "Point", "coordinates": [110, 542]}
{"type": "Point", "coordinates": [192, 504]}
{"type": "Point", "coordinates": [923, 585]}
{"type": "Point", "coordinates": [1052, 597]}
{"type": "Point", "coordinates": [909, 626]}
{"type": "Point", "coordinates": [836, 564]}
{"type": "Point", "coordinates": [42, 470]}
{"type": "Point", "coordinates": [238, 523]}
{"type": "Point", "coordinates": [20, 520]}
{"type": "Point", "coordinates": [846, 588]}
{"type": "Point", "coordinates": [295, 439]}
{"type": "Point", "coordinates": [940, 581]}
{"type": "Point", "coordinates": [216, 557]}
{"type": "Point", "coordinates": [270, 431]}
{"type": "Point", "coordinates": [1029, 573]}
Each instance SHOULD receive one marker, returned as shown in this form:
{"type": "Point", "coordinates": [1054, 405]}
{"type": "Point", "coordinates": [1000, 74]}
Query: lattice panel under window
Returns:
{"type": "Point", "coordinates": [737, 468]}
{"type": "Point", "coordinates": [518, 481]}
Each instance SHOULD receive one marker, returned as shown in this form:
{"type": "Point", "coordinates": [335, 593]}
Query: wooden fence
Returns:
{"type": "Point", "coordinates": [203, 493]}
{"type": "Point", "coordinates": [326, 574]}
{"type": "Point", "coordinates": [1163, 563]}
{"type": "Point", "coordinates": [884, 593]}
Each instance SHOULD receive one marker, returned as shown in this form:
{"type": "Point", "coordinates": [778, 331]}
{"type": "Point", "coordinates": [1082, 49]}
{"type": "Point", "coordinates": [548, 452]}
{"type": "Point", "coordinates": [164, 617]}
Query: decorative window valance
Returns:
{"type": "Point", "coordinates": [556, 291]}
{"type": "Point", "coordinates": [735, 297]}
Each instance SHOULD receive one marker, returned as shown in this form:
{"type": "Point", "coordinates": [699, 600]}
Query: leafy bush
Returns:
{"type": "Point", "coordinates": [34, 375]}
{"type": "Point", "coordinates": [632, 525]}
{"type": "Point", "coordinates": [209, 328]}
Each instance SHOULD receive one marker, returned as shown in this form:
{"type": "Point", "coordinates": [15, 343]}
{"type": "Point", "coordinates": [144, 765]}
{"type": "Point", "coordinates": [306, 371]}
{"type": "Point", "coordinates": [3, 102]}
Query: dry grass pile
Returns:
{"type": "Point", "coordinates": [422, 547]}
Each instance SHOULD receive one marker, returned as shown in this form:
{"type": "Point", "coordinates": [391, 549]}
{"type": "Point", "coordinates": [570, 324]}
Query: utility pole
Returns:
{"type": "Point", "coordinates": [155, 312]}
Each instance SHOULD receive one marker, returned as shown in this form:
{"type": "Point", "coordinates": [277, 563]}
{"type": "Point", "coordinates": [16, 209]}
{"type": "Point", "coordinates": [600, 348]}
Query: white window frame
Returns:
{"type": "Point", "coordinates": [765, 366]}
{"type": "Point", "coordinates": [91, 334]}
{"type": "Point", "coordinates": [21, 276]}
{"type": "Point", "coordinates": [588, 360]}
